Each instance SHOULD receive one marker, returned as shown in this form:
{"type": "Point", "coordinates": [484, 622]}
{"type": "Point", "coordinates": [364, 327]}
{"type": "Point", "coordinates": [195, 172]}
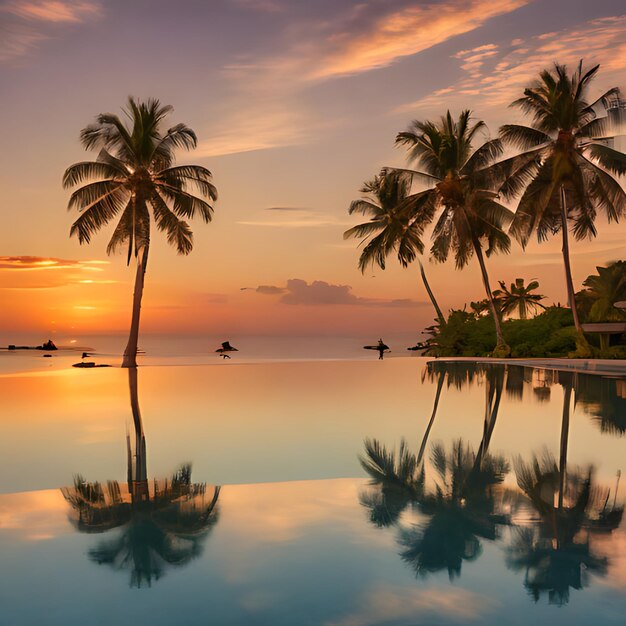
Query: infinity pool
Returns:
{"type": "Point", "coordinates": [328, 492]}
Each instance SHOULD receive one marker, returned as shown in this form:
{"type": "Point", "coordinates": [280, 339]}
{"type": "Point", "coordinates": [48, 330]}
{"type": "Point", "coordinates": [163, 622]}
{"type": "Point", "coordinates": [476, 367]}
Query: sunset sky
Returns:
{"type": "Point", "coordinates": [295, 104]}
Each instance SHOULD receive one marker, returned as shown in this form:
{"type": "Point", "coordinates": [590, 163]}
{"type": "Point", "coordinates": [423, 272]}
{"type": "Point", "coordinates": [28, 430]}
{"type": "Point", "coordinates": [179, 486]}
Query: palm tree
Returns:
{"type": "Point", "coordinates": [389, 229]}
{"type": "Point", "coordinates": [135, 169]}
{"type": "Point", "coordinates": [459, 186]}
{"type": "Point", "coordinates": [564, 173]}
{"type": "Point", "coordinates": [519, 297]}
{"type": "Point", "coordinates": [604, 290]}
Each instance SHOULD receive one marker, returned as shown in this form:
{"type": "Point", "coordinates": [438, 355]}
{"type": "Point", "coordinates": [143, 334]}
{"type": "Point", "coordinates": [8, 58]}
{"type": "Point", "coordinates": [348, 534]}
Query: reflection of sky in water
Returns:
{"type": "Point", "coordinates": [290, 553]}
{"type": "Point", "coordinates": [263, 423]}
{"type": "Point", "coordinates": [300, 552]}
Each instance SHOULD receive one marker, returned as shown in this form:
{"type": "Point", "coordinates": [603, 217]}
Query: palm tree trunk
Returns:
{"type": "Point", "coordinates": [422, 449]}
{"type": "Point", "coordinates": [568, 269]}
{"type": "Point", "coordinates": [431, 295]}
{"type": "Point", "coordinates": [492, 305]}
{"type": "Point", "coordinates": [567, 397]}
{"type": "Point", "coordinates": [130, 353]}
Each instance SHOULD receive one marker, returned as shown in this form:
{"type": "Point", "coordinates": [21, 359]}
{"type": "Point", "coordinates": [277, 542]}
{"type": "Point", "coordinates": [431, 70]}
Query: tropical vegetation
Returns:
{"type": "Point", "coordinates": [518, 298]}
{"type": "Point", "coordinates": [563, 174]}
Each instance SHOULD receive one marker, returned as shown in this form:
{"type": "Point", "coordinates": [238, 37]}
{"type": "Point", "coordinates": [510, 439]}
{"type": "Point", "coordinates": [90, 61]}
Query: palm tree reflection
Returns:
{"type": "Point", "coordinates": [160, 525]}
{"type": "Point", "coordinates": [461, 511]}
{"type": "Point", "coordinates": [462, 503]}
{"type": "Point", "coordinates": [556, 552]}
{"type": "Point", "coordinates": [461, 506]}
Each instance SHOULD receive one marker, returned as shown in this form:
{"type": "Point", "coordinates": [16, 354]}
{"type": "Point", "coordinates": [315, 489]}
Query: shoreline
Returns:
{"type": "Point", "coordinates": [605, 367]}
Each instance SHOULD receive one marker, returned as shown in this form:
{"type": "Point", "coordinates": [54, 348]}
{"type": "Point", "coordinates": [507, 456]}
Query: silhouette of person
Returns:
{"type": "Point", "coordinates": [381, 349]}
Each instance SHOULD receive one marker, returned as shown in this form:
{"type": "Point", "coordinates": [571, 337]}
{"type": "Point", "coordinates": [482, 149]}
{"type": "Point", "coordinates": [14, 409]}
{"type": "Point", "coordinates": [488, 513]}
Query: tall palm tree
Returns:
{"type": "Point", "coordinates": [564, 173]}
{"type": "Point", "coordinates": [519, 297]}
{"type": "Point", "coordinates": [459, 186]}
{"type": "Point", "coordinates": [389, 229]}
{"type": "Point", "coordinates": [134, 170]}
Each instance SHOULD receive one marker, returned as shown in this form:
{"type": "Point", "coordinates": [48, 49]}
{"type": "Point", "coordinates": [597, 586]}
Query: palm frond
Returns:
{"type": "Point", "coordinates": [610, 159]}
{"type": "Point", "coordinates": [523, 137]}
{"type": "Point", "coordinates": [88, 170]}
{"type": "Point", "coordinates": [178, 232]}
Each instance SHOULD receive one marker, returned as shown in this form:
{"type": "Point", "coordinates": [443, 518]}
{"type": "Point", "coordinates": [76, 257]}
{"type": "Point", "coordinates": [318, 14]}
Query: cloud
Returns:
{"type": "Point", "coordinates": [24, 262]}
{"type": "Point", "coordinates": [17, 40]}
{"type": "Point", "coordinates": [319, 292]}
{"type": "Point", "coordinates": [297, 218]}
{"type": "Point", "coordinates": [36, 272]}
{"type": "Point", "coordinates": [270, 125]}
{"type": "Point", "coordinates": [26, 24]}
{"type": "Point", "coordinates": [496, 74]}
{"type": "Point", "coordinates": [262, 6]}
{"type": "Point", "coordinates": [401, 605]}
{"type": "Point", "coordinates": [287, 209]}
{"type": "Point", "coordinates": [270, 289]}
{"type": "Point", "coordinates": [270, 106]}
{"type": "Point", "coordinates": [407, 31]}
{"type": "Point", "coordinates": [55, 11]}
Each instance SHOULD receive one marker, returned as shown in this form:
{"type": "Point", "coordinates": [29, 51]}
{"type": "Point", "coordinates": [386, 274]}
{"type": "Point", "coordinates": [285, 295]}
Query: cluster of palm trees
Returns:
{"type": "Point", "coordinates": [465, 502]}
{"type": "Point", "coordinates": [562, 173]}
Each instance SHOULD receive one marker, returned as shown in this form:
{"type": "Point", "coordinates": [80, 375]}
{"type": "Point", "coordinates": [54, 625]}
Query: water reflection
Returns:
{"type": "Point", "coordinates": [159, 525]}
{"type": "Point", "coordinates": [556, 553]}
{"type": "Point", "coordinates": [460, 498]}
{"type": "Point", "coordinates": [460, 511]}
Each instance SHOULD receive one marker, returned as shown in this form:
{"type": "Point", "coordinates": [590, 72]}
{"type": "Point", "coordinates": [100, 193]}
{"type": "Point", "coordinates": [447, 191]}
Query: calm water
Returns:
{"type": "Point", "coordinates": [351, 493]}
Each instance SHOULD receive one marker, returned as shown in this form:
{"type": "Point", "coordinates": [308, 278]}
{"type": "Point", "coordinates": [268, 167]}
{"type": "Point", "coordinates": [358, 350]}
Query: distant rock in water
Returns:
{"type": "Point", "coordinates": [89, 365]}
{"type": "Point", "coordinates": [49, 356]}
{"type": "Point", "coordinates": [49, 345]}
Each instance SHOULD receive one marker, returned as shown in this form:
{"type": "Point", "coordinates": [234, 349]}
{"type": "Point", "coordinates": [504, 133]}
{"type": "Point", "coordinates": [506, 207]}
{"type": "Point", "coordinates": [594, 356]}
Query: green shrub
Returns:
{"type": "Point", "coordinates": [549, 334]}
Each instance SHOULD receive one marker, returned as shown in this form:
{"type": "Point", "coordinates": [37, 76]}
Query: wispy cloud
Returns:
{"type": "Point", "coordinates": [24, 25]}
{"type": "Point", "coordinates": [269, 125]}
{"type": "Point", "coordinates": [297, 218]}
{"type": "Point", "coordinates": [36, 272]}
{"type": "Point", "coordinates": [25, 262]}
{"type": "Point", "coordinates": [387, 604]}
{"type": "Point", "coordinates": [406, 31]}
{"type": "Point", "coordinates": [495, 74]}
{"type": "Point", "coordinates": [55, 11]}
{"type": "Point", "coordinates": [349, 38]}
{"type": "Point", "coordinates": [262, 6]}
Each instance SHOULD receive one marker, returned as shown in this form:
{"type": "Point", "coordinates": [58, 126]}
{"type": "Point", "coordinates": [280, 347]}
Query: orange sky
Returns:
{"type": "Point", "coordinates": [294, 108]}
